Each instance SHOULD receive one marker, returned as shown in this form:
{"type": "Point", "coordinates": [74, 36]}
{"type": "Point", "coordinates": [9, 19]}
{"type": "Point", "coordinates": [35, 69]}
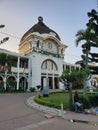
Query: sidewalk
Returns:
{"type": "Point", "coordinates": [67, 115]}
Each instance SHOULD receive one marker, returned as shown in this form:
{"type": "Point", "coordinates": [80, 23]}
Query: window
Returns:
{"type": "Point", "coordinates": [50, 45]}
{"type": "Point", "coordinates": [49, 65]}
{"type": "Point", "coordinates": [37, 44]}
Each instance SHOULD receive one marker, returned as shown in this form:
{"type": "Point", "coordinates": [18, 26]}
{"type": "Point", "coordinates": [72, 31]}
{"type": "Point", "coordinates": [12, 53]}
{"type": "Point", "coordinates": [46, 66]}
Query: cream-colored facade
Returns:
{"type": "Point", "coordinates": [41, 55]}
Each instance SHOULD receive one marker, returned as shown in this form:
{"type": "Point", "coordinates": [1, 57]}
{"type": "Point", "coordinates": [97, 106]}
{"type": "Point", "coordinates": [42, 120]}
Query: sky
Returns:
{"type": "Point", "coordinates": [65, 17]}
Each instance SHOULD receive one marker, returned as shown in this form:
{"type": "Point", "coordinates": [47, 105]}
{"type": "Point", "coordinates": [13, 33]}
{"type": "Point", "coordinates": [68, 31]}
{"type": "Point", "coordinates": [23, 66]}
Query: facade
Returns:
{"type": "Point", "coordinates": [41, 55]}
{"type": "Point", "coordinates": [15, 76]}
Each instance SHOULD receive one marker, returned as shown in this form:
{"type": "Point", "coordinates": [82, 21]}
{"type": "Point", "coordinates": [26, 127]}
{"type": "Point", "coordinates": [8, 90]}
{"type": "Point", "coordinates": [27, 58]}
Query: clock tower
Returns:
{"type": "Point", "coordinates": [46, 54]}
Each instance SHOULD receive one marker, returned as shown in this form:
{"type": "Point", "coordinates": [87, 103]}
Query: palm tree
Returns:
{"type": "Point", "coordinates": [90, 38]}
{"type": "Point", "coordinates": [86, 36]}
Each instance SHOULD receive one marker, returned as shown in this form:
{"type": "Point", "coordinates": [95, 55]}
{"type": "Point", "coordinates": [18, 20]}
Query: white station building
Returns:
{"type": "Point", "coordinates": [41, 55]}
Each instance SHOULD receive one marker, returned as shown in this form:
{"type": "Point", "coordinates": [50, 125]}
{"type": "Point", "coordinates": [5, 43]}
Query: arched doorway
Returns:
{"type": "Point", "coordinates": [50, 70]}
{"type": "Point", "coordinates": [23, 85]}
{"type": "Point", "coordinates": [11, 83]}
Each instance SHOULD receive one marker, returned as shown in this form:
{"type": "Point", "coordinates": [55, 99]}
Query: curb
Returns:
{"type": "Point", "coordinates": [30, 102]}
{"type": "Point", "coordinates": [69, 116]}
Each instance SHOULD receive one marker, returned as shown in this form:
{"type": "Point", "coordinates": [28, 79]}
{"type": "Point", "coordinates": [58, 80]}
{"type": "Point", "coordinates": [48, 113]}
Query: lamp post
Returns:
{"type": "Point", "coordinates": [70, 96]}
{"type": "Point", "coordinates": [2, 26]}
{"type": "Point", "coordinates": [4, 39]}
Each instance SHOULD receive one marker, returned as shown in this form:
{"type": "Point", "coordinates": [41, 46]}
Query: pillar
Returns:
{"type": "Point", "coordinates": [5, 80]}
{"type": "Point", "coordinates": [18, 62]}
{"type": "Point", "coordinates": [53, 83]}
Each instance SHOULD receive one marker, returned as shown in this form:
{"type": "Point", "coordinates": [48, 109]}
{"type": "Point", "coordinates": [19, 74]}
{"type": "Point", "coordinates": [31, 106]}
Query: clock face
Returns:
{"type": "Point", "coordinates": [50, 45]}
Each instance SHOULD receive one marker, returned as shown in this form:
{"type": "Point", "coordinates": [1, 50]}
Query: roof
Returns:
{"type": "Point", "coordinates": [41, 28]}
{"type": "Point", "coordinates": [12, 53]}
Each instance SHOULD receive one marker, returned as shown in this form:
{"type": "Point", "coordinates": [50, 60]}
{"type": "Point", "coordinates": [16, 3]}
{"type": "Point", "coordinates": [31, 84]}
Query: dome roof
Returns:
{"type": "Point", "coordinates": [41, 28]}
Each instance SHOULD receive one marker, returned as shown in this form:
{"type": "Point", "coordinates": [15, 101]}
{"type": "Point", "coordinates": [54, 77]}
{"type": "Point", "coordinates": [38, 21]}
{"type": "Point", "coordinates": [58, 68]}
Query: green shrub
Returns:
{"type": "Point", "coordinates": [46, 103]}
{"type": "Point", "coordinates": [55, 100]}
{"type": "Point", "coordinates": [32, 89]}
{"type": "Point", "coordinates": [89, 100]}
{"type": "Point", "coordinates": [2, 90]}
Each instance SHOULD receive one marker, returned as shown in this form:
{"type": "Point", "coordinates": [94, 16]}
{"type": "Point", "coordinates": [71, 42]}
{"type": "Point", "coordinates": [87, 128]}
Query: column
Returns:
{"type": "Point", "coordinates": [5, 76]}
{"type": "Point", "coordinates": [18, 62]}
{"type": "Point", "coordinates": [53, 83]}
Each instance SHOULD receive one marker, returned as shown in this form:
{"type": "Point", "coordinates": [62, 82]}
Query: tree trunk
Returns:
{"type": "Point", "coordinates": [84, 88]}
{"type": "Point", "coordinates": [70, 97]}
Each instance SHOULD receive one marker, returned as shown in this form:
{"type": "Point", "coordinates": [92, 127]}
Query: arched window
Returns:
{"type": "Point", "coordinates": [37, 44]}
{"type": "Point", "coordinates": [11, 83]}
{"type": "Point", "coordinates": [49, 65]}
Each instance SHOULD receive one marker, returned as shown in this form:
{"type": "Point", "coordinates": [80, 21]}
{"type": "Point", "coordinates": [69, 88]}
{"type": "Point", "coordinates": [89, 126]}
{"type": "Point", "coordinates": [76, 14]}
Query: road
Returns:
{"type": "Point", "coordinates": [16, 115]}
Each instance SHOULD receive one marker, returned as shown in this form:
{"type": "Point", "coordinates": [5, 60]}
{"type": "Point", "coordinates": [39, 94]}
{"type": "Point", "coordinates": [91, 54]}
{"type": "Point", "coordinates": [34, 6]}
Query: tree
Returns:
{"type": "Point", "coordinates": [90, 38]}
{"type": "Point", "coordinates": [72, 78]}
{"type": "Point", "coordinates": [4, 39]}
{"type": "Point", "coordinates": [85, 36]}
{"type": "Point", "coordinates": [93, 26]}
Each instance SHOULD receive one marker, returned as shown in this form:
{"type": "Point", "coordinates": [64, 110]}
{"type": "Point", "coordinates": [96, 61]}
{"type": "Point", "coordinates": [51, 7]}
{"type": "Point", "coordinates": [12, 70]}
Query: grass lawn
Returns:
{"type": "Point", "coordinates": [58, 98]}
{"type": "Point", "coordinates": [55, 100]}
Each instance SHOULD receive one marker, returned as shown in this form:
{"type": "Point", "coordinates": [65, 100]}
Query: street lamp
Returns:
{"type": "Point", "coordinates": [4, 39]}
{"type": "Point", "coordinates": [2, 26]}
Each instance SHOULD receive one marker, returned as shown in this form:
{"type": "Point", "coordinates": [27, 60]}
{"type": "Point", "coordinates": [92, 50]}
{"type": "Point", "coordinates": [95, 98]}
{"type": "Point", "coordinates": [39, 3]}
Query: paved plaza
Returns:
{"type": "Point", "coordinates": [20, 112]}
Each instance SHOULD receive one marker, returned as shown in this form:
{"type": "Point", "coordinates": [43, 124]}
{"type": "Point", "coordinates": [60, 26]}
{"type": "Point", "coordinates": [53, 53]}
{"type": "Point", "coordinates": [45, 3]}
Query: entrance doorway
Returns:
{"type": "Point", "coordinates": [50, 83]}
{"type": "Point", "coordinates": [53, 82]}
{"type": "Point", "coordinates": [23, 85]}
{"type": "Point", "coordinates": [56, 82]}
